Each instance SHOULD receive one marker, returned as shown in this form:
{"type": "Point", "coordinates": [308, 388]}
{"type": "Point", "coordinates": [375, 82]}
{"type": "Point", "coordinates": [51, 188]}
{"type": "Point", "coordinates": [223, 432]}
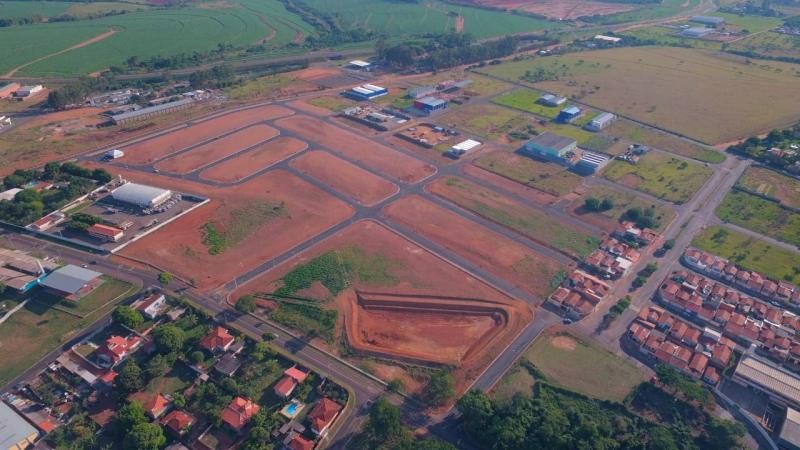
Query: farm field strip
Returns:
{"type": "Point", "coordinates": [209, 153]}
{"type": "Point", "coordinates": [162, 146]}
{"type": "Point", "coordinates": [349, 179]}
{"type": "Point", "coordinates": [250, 162]}
{"type": "Point", "coordinates": [377, 157]}
{"type": "Point", "coordinates": [492, 252]}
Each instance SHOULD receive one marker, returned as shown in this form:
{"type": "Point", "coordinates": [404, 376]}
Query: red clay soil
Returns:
{"type": "Point", "coordinates": [415, 271]}
{"type": "Point", "coordinates": [540, 197]}
{"type": "Point", "coordinates": [310, 109]}
{"type": "Point", "coordinates": [246, 164]}
{"type": "Point", "coordinates": [211, 152]}
{"type": "Point", "coordinates": [351, 180]}
{"type": "Point", "coordinates": [179, 248]}
{"type": "Point", "coordinates": [157, 148]}
{"type": "Point", "coordinates": [493, 252]}
{"type": "Point", "coordinates": [557, 9]}
{"type": "Point", "coordinates": [373, 155]}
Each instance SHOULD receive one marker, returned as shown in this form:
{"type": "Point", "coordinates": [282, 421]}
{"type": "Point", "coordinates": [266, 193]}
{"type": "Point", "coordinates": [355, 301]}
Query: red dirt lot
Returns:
{"type": "Point", "coordinates": [493, 252]}
{"type": "Point", "coordinates": [211, 152]}
{"type": "Point", "coordinates": [373, 155]}
{"type": "Point", "coordinates": [154, 149]}
{"type": "Point", "coordinates": [530, 193]}
{"type": "Point", "coordinates": [246, 164]}
{"type": "Point", "coordinates": [179, 248]}
{"type": "Point", "coordinates": [349, 179]}
{"type": "Point", "coordinates": [558, 9]}
{"type": "Point", "coordinates": [415, 274]}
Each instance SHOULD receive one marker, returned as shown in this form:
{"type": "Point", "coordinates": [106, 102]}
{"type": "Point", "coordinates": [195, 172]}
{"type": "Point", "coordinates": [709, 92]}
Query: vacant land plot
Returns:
{"type": "Point", "coordinates": [481, 85]}
{"type": "Point", "coordinates": [39, 327]}
{"type": "Point", "coordinates": [549, 178]}
{"type": "Point", "coordinates": [270, 86]}
{"type": "Point", "coordinates": [530, 222]}
{"type": "Point", "coordinates": [767, 182]}
{"type": "Point", "coordinates": [762, 216]}
{"type": "Point", "coordinates": [665, 8]}
{"type": "Point", "coordinates": [638, 134]}
{"type": "Point", "coordinates": [693, 95]}
{"type": "Point", "coordinates": [660, 176]}
{"type": "Point", "coordinates": [526, 100]}
{"type": "Point", "coordinates": [157, 148]}
{"type": "Point", "coordinates": [772, 45]}
{"type": "Point", "coordinates": [581, 365]}
{"type": "Point", "coordinates": [494, 253]}
{"type": "Point", "coordinates": [750, 253]}
{"type": "Point", "coordinates": [489, 121]}
{"type": "Point", "coordinates": [352, 146]}
{"type": "Point", "coordinates": [351, 180]}
{"type": "Point", "coordinates": [333, 103]}
{"type": "Point", "coordinates": [255, 160]}
{"type": "Point", "coordinates": [622, 202]}
{"type": "Point", "coordinates": [241, 227]}
{"type": "Point", "coordinates": [209, 153]}
{"type": "Point", "coordinates": [558, 9]}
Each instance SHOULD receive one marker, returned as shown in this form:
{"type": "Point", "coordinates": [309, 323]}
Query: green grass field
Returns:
{"type": "Point", "coordinates": [624, 201]}
{"type": "Point", "coordinates": [759, 215]}
{"type": "Point", "coordinates": [411, 18]}
{"type": "Point", "coordinates": [638, 134]}
{"type": "Point", "coordinates": [660, 175]}
{"type": "Point", "coordinates": [525, 100]}
{"type": "Point", "coordinates": [489, 121]}
{"type": "Point", "coordinates": [774, 45]}
{"type": "Point", "coordinates": [583, 366]}
{"type": "Point", "coordinates": [767, 182]}
{"type": "Point", "coordinates": [693, 96]}
{"type": "Point", "coordinates": [750, 253]}
{"type": "Point", "coordinates": [550, 178]}
{"type": "Point", "coordinates": [39, 328]}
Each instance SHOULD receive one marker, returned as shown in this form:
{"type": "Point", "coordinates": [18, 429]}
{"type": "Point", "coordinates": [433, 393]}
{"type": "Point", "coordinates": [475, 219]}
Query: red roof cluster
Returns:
{"type": "Point", "coordinates": [239, 412]}
{"type": "Point", "coordinates": [323, 414]}
{"type": "Point", "coordinates": [218, 340]}
{"type": "Point", "coordinates": [580, 293]}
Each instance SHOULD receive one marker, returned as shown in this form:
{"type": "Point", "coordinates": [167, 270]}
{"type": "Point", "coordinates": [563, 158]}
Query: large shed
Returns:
{"type": "Point", "coordinates": [141, 195]}
{"type": "Point", "coordinates": [549, 145]}
{"type": "Point", "coordinates": [71, 281]}
{"type": "Point", "coordinates": [15, 431]}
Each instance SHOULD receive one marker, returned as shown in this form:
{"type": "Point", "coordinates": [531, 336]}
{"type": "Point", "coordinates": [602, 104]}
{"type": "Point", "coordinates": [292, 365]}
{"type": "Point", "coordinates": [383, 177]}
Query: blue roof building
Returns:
{"type": "Point", "coordinates": [569, 114]}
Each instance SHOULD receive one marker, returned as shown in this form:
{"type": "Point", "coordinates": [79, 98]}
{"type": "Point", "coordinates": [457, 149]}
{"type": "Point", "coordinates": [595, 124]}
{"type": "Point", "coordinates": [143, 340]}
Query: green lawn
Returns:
{"type": "Point", "coordinates": [38, 328]}
{"type": "Point", "coordinates": [550, 178]}
{"type": "Point", "coordinates": [525, 100]}
{"type": "Point", "coordinates": [176, 380]}
{"type": "Point", "coordinates": [624, 201]}
{"type": "Point", "coordinates": [518, 380]}
{"type": "Point", "coordinates": [583, 366]}
{"type": "Point", "coordinates": [750, 253]}
{"type": "Point", "coordinates": [660, 175]}
{"type": "Point", "coordinates": [762, 216]}
{"type": "Point", "coordinates": [331, 102]}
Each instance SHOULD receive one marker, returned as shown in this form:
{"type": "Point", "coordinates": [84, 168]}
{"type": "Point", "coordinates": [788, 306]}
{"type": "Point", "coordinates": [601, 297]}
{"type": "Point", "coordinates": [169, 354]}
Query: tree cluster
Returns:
{"type": "Point", "coordinates": [757, 148]}
{"type": "Point", "coordinates": [447, 50]}
{"type": "Point", "coordinates": [593, 204]}
{"type": "Point", "coordinates": [384, 431]}
{"type": "Point", "coordinates": [643, 218]}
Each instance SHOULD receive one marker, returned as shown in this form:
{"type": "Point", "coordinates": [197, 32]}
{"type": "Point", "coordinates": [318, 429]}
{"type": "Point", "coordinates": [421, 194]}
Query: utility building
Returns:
{"type": "Point", "coordinates": [430, 105]}
{"type": "Point", "coordinates": [549, 146]}
{"type": "Point", "coordinates": [141, 195]}
{"type": "Point", "coordinates": [601, 121]}
{"type": "Point", "coordinates": [569, 114]}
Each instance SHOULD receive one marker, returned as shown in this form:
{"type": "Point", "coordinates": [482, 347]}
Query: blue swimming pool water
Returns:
{"type": "Point", "coordinates": [291, 408]}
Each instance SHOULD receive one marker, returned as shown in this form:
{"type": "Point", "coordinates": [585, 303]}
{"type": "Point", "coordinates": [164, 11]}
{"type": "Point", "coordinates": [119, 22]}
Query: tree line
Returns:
{"type": "Point", "coordinates": [445, 51]}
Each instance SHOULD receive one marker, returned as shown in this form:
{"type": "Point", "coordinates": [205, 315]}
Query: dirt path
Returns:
{"type": "Point", "coordinates": [459, 24]}
{"type": "Point", "coordinates": [91, 41]}
{"type": "Point", "coordinates": [298, 38]}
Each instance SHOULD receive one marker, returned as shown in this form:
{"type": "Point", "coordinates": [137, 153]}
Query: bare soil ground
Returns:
{"type": "Point", "coordinates": [378, 157]}
{"type": "Point", "coordinates": [345, 177]}
{"type": "Point", "coordinates": [530, 193]}
{"type": "Point", "coordinates": [154, 149]}
{"type": "Point", "coordinates": [415, 272]}
{"type": "Point", "coordinates": [495, 253]}
{"type": "Point", "coordinates": [246, 164]}
{"type": "Point", "coordinates": [211, 152]}
{"type": "Point", "coordinates": [310, 109]}
{"type": "Point", "coordinates": [179, 247]}
{"type": "Point", "coordinates": [558, 9]}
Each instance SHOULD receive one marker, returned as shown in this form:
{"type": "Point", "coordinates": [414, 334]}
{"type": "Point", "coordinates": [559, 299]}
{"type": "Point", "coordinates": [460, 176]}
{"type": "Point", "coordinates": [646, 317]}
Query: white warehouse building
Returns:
{"type": "Point", "coordinates": [141, 195]}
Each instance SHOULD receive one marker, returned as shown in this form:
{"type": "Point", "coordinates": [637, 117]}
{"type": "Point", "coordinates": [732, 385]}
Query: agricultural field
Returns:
{"type": "Point", "coordinates": [48, 9]}
{"type": "Point", "coordinates": [550, 178]}
{"type": "Point", "coordinates": [750, 253]}
{"type": "Point", "coordinates": [694, 85]}
{"type": "Point", "coordinates": [39, 327]}
{"type": "Point", "coordinates": [664, 9]}
{"type": "Point", "coordinates": [536, 225]}
{"type": "Point", "coordinates": [410, 19]}
{"type": "Point", "coordinates": [772, 45]}
{"type": "Point", "coordinates": [622, 202]}
{"type": "Point", "coordinates": [577, 364]}
{"type": "Point", "coordinates": [762, 216]}
{"type": "Point", "coordinates": [782, 188]}
{"type": "Point", "coordinates": [559, 9]}
{"type": "Point", "coordinates": [660, 175]}
{"type": "Point", "coordinates": [639, 134]}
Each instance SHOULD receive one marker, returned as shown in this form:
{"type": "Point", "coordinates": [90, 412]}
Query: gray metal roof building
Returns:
{"type": "Point", "coordinates": [790, 431]}
{"type": "Point", "coordinates": [69, 279]}
{"type": "Point", "coordinates": [708, 20]}
{"type": "Point", "coordinates": [151, 111]}
{"type": "Point", "coordinates": [15, 431]}
{"type": "Point", "coordinates": [773, 380]}
{"type": "Point", "coordinates": [141, 195]}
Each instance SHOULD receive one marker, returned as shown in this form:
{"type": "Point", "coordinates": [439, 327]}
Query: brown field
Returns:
{"type": "Point", "coordinates": [154, 149]}
{"type": "Point", "coordinates": [179, 248]}
{"type": "Point", "coordinates": [506, 184]}
{"type": "Point", "coordinates": [349, 179]}
{"type": "Point", "coordinates": [254, 160]}
{"type": "Point", "coordinates": [494, 253]}
{"type": "Point", "coordinates": [558, 9]}
{"type": "Point", "coordinates": [211, 152]}
{"type": "Point", "coordinates": [414, 273]}
{"type": "Point", "coordinates": [375, 156]}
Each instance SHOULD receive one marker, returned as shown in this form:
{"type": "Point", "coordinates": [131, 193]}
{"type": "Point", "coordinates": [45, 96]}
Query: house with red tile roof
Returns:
{"type": "Point", "coordinates": [284, 387]}
{"type": "Point", "coordinates": [300, 443]}
{"type": "Point", "coordinates": [711, 376]}
{"type": "Point", "coordinates": [178, 422]}
{"type": "Point", "coordinates": [151, 305]}
{"type": "Point", "coordinates": [697, 365]}
{"type": "Point", "coordinates": [238, 413]}
{"type": "Point", "coordinates": [218, 340]}
{"type": "Point", "coordinates": [323, 414]}
{"type": "Point", "coordinates": [155, 405]}
{"type": "Point", "coordinates": [116, 349]}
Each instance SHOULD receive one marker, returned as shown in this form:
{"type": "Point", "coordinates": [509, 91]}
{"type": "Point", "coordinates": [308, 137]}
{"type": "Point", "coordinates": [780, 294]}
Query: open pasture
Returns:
{"type": "Point", "coordinates": [638, 134]}
{"type": "Point", "coordinates": [762, 216]}
{"type": "Point", "coordinates": [773, 45]}
{"type": "Point", "coordinates": [693, 95]}
{"type": "Point", "coordinates": [768, 182]}
{"type": "Point", "coordinates": [660, 175]}
{"type": "Point", "coordinates": [559, 9]}
{"type": "Point", "coordinates": [623, 201]}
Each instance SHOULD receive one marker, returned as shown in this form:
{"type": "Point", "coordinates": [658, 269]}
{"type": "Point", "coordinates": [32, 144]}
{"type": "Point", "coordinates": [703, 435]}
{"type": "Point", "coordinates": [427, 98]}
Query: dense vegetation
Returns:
{"type": "Point", "coordinates": [384, 431]}
{"type": "Point", "coordinates": [447, 50]}
{"type": "Point", "coordinates": [757, 148]}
